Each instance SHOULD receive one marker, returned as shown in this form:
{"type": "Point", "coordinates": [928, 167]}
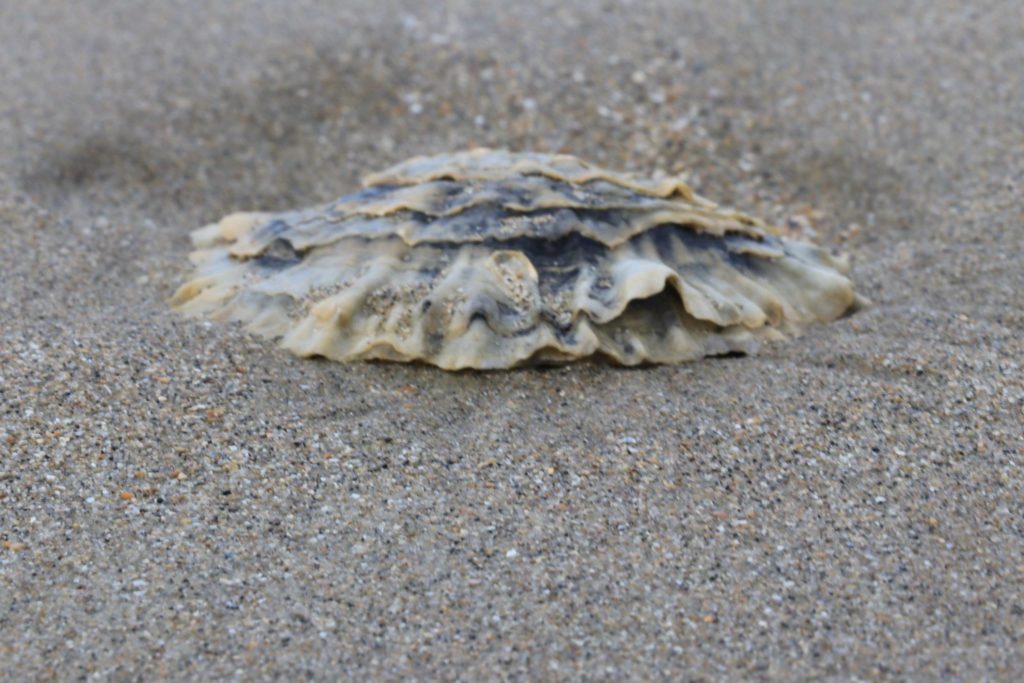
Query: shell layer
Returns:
{"type": "Point", "coordinates": [488, 259]}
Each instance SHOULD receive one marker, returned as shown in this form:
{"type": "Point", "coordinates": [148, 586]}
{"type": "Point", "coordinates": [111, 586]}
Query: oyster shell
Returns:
{"type": "Point", "coordinates": [492, 259]}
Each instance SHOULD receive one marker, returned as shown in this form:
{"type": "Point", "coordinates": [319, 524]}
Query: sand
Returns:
{"type": "Point", "coordinates": [181, 500]}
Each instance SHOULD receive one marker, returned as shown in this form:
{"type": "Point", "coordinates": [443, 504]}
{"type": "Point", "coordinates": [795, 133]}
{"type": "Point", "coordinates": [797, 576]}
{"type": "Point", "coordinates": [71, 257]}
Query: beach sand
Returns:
{"type": "Point", "coordinates": [181, 500]}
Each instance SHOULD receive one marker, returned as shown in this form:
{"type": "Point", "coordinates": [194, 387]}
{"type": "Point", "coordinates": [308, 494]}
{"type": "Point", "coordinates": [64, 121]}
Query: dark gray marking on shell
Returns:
{"type": "Point", "coordinates": [279, 255]}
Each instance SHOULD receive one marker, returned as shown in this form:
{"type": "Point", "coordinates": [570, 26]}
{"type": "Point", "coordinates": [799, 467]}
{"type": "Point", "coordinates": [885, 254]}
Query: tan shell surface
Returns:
{"type": "Point", "coordinates": [492, 259]}
{"type": "Point", "coordinates": [490, 164]}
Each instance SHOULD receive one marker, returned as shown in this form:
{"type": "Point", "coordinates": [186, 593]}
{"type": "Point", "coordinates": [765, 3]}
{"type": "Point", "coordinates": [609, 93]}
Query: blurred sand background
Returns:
{"type": "Point", "coordinates": [180, 500]}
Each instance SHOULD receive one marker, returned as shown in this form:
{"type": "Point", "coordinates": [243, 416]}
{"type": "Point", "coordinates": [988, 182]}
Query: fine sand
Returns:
{"type": "Point", "coordinates": [181, 500]}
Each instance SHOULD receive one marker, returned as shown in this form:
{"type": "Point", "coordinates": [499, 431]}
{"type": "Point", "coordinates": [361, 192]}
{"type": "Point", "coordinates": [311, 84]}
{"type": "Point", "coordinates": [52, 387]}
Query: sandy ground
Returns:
{"type": "Point", "coordinates": [180, 500]}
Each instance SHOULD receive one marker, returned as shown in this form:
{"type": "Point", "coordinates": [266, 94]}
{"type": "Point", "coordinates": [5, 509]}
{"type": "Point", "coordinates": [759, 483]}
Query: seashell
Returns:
{"type": "Point", "coordinates": [494, 259]}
